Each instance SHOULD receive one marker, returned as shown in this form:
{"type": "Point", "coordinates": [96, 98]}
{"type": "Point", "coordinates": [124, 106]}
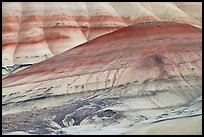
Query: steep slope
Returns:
{"type": "Point", "coordinates": [139, 77]}
{"type": "Point", "coordinates": [34, 31]}
{"type": "Point", "coordinates": [193, 9]}
{"type": "Point", "coordinates": [10, 28]}
{"type": "Point", "coordinates": [143, 77]}
{"type": "Point", "coordinates": [137, 53]}
{"type": "Point", "coordinates": [31, 37]}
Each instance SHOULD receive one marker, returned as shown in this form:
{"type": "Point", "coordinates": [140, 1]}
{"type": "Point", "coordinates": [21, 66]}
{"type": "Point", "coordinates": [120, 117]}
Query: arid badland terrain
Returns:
{"type": "Point", "coordinates": [102, 68]}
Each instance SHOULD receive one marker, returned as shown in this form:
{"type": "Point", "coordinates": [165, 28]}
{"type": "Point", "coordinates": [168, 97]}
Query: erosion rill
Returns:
{"type": "Point", "coordinates": [144, 78]}
{"type": "Point", "coordinates": [33, 32]}
{"type": "Point", "coordinates": [149, 66]}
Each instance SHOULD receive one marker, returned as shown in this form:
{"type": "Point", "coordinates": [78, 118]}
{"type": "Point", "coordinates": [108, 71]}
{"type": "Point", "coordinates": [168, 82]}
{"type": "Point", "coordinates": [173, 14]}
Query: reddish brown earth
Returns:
{"type": "Point", "coordinates": [33, 32]}
{"type": "Point", "coordinates": [108, 68]}
{"type": "Point", "coordinates": [142, 79]}
{"type": "Point", "coordinates": [165, 45]}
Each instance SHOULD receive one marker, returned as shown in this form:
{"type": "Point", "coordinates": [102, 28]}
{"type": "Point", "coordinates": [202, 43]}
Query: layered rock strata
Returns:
{"type": "Point", "coordinates": [135, 77]}
{"type": "Point", "coordinates": [33, 32]}
{"type": "Point", "coordinates": [125, 56]}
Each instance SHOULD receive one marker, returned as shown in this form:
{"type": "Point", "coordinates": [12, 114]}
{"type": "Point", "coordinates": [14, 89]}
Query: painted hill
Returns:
{"type": "Point", "coordinates": [144, 77]}
{"type": "Point", "coordinates": [32, 32]}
